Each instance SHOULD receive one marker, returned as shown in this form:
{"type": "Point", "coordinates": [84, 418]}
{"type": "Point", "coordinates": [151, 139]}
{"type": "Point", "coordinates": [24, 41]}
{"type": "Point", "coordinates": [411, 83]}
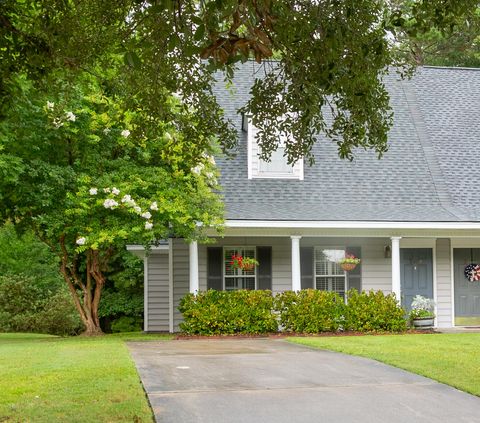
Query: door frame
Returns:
{"type": "Point", "coordinates": [459, 243]}
{"type": "Point", "coordinates": [432, 244]}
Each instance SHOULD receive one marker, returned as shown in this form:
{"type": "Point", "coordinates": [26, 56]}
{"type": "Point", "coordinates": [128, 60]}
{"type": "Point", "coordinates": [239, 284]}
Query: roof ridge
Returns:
{"type": "Point", "coordinates": [433, 166]}
{"type": "Point", "coordinates": [465, 68]}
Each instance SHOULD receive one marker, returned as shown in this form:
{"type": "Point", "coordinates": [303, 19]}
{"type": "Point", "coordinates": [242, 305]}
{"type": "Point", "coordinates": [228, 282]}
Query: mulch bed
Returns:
{"type": "Point", "coordinates": [289, 334]}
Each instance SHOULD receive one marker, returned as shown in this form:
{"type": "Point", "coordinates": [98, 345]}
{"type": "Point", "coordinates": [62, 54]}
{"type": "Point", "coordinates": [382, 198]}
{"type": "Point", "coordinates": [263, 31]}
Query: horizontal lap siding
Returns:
{"type": "Point", "coordinates": [444, 283]}
{"type": "Point", "coordinates": [180, 277]}
{"type": "Point", "coordinates": [158, 292]}
{"type": "Point", "coordinates": [281, 259]}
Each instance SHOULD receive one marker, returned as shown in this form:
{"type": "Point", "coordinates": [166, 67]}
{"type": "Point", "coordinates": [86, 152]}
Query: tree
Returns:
{"type": "Point", "coordinates": [88, 177]}
{"type": "Point", "coordinates": [332, 56]}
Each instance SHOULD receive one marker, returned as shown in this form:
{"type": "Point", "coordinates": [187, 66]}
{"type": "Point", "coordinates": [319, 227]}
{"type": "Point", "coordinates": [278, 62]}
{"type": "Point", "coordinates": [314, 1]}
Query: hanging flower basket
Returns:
{"type": "Point", "coordinates": [348, 266]}
{"type": "Point", "coordinates": [349, 262]}
{"type": "Point", "coordinates": [243, 263]}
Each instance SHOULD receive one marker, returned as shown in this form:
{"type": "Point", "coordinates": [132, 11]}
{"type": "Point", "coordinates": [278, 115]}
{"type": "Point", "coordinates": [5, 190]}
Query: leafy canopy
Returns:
{"type": "Point", "coordinates": [332, 56]}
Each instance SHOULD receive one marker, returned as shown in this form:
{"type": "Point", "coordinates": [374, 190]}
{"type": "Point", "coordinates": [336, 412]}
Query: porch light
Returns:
{"type": "Point", "coordinates": [387, 251]}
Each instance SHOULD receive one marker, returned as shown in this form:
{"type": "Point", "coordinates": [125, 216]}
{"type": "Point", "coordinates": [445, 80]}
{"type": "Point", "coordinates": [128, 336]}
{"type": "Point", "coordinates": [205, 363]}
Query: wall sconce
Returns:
{"type": "Point", "coordinates": [387, 251]}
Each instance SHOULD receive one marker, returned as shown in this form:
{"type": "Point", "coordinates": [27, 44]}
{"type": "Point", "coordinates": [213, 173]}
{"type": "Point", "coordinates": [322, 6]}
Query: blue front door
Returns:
{"type": "Point", "coordinates": [416, 274]}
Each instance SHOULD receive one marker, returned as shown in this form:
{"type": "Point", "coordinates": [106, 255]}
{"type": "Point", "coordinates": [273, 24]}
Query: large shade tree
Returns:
{"type": "Point", "coordinates": [88, 177]}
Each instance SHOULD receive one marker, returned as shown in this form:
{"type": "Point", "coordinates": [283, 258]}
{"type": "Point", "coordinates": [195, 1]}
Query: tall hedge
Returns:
{"type": "Point", "coordinates": [221, 312]}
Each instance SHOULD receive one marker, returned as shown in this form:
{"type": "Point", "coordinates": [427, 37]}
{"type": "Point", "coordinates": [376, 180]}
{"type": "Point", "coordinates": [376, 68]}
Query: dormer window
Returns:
{"type": "Point", "coordinates": [277, 167]}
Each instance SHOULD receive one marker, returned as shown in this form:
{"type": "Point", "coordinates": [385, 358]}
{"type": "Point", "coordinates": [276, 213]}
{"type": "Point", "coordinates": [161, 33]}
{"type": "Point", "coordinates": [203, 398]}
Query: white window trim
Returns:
{"type": "Point", "coordinates": [297, 173]}
{"type": "Point", "coordinates": [237, 247]}
{"type": "Point", "coordinates": [344, 248]}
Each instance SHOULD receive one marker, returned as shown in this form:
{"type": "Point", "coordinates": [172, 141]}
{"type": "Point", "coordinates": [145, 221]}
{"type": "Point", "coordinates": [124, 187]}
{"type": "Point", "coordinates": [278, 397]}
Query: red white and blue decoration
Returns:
{"type": "Point", "coordinates": [472, 272]}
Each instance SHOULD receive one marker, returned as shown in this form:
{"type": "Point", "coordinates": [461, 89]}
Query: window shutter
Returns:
{"type": "Point", "coordinates": [306, 267]}
{"type": "Point", "coordinates": [264, 268]}
{"type": "Point", "coordinates": [355, 275]}
{"type": "Point", "coordinates": [215, 268]}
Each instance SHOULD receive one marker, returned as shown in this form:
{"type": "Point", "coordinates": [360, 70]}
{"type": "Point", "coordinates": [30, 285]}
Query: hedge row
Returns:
{"type": "Point", "coordinates": [307, 311]}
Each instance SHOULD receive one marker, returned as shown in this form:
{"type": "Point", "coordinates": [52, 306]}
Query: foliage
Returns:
{"type": "Point", "coordinates": [373, 311]}
{"type": "Point", "coordinates": [221, 312]}
{"type": "Point", "coordinates": [76, 379]}
{"type": "Point", "coordinates": [422, 307]}
{"type": "Point", "coordinates": [332, 56]}
{"type": "Point", "coordinates": [350, 259]}
{"type": "Point", "coordinates": [89, 177]}
{"type": "Point", "coordinates": [121, 303]}
{"type": "Point", "coordinates": [28, 307]}
{"type": "Point", "coordinates": [243, 263]}
{"type": "Point", "coordinates": [127, 324]}
{"type": "Point", "coordinates": [24, 254]}
{"type": "Point", "coordinates": [310, 311]}
{"type": "Point", "coordinates": [460, 46]}
{"type": "Point", "coordinates": [452, 359]}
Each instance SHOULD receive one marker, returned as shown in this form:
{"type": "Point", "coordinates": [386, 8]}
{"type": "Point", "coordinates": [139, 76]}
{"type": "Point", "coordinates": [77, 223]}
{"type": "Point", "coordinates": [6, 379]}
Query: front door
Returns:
{"type": "Point", "coordinates": [416, 274]}
{"type": "Point", "coordinates": [467, 294]}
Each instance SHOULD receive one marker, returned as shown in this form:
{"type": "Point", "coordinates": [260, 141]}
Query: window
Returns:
{"type": "Point", "coordinates": [276, 168]}
{"type": "Point", "coordinates": [329, 276]}
{"type": "Point", "coordinates": [234, 279]}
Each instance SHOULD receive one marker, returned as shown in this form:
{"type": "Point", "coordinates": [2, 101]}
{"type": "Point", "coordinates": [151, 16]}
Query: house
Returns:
{"type": "Point", "coordinates": [413, 217]}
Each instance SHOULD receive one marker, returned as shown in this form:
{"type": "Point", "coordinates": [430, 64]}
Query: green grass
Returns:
{"type": "Point", "coordinates": [47, 379]}
{"type": "Point", "coordinates": [453, 359]}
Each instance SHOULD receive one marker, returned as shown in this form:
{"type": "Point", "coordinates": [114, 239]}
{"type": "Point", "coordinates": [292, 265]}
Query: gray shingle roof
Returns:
{"type": "Point", "coordinates": [430, 172]}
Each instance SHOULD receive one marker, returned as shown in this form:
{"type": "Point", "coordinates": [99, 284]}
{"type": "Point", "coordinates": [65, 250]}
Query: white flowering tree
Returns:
{"type": "Point", "coordinates": [89, 177]}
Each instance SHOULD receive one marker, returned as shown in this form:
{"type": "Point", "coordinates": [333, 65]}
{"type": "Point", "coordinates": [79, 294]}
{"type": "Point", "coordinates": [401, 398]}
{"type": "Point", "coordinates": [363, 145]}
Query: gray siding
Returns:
{"type": "Point", "coordinates": [180, 277]}
{"type": "Point", "coordinates": [158, 307]}
{"type": "Point", "coordinates": [281, 259]}
{"type": "Point", "coordinates": [444, 283]}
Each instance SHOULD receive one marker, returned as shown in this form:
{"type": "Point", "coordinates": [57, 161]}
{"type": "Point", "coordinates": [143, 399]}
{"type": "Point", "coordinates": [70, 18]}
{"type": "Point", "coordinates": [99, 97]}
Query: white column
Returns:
{"type": "Point", "coordinates": [193, 256]}
{"type": "Point", "coordinates": [396, 266]}
{"type": "Point", "coordinates": [296, 275]}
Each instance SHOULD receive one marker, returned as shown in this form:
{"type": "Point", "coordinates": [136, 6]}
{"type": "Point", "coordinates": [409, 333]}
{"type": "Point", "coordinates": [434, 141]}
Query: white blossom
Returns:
{"type": "Point", "coordinates": [198, 223]}
{"type": "Point", "coordinates": [198, 169]}
{"type": "Point", "coordinates": [110, 203]}
{"type": "Point", "coordinates": [127, 199]}
{"type": "Point", "coordinates": [93, 191]}
{"type": "Point", "coordinates": [106, 190]}
{"type": "Point", "coordinates": [71, 116]}
{"type": "Point", "coordinates": [146, 215]}
{"type": "Point", "coordinates": [57, 123]}
{"type": "Point", "coordinates": [211, 159]}
{"type": "Point", "coordinates": [125, 133]}
{"type": "Point", "coordinates": [154, 206]}
{"type": "Point", "coordinates": [81, 241]}
{"type": "Point", "coordinates": [50, 105]}
{"type": "Point", "coordinates": [106, 131]}
{"type": "Point", "coordinates": [115, 191]}
{"type": "Point", "coordinates": [137, 209]}
{"type": "Point", "coordinates": [210, 175]}
{"type": "Point", "coordinates": [148, 225]}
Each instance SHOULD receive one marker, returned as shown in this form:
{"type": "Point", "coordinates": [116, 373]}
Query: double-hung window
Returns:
{"type": "Point", "coordinates": [329, 276]}
{"type": "Point", "coordinates": [234, 279]}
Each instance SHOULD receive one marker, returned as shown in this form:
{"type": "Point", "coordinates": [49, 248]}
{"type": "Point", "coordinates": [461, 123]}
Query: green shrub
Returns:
{"type": "Point", "coordinates": [28, 307]}
{"type": "Point", "coordinates": [126, 324]}
{"type": "Point", "coordinates": [374, 311]}
{"type": "Point", "coordinates": [222, 312]}
{"type": "Point", "coordinates": [310, 311]}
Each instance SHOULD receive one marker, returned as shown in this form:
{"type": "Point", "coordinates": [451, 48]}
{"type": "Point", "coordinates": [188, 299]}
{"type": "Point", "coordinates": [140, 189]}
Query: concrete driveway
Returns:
{"type": "Point", "coordinates": [266, 380]}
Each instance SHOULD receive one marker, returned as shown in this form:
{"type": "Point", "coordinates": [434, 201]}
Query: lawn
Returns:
{"type": "Point", "coordinates": [453, 359]}
{"type": "Point", "coordinates": [46, 378]}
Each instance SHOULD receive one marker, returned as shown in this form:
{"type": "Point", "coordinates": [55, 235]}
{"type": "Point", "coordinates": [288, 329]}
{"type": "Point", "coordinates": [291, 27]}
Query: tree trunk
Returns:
{"type": "Point", "coordinates": [86, 296]}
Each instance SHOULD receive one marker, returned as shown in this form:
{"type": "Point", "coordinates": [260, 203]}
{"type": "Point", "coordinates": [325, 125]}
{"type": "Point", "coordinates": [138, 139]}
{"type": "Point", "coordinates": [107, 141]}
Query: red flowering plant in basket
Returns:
{"type": "Point", "coordinates": [349, 262]}
{"type": "Point", "coordinates": [243, 263]}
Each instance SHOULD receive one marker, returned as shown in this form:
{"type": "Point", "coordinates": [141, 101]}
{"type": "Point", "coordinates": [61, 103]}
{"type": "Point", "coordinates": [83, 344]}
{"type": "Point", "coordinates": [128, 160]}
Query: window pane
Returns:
{"type": "Point", "coordinates": [277, 164]}
{"type": "Point", "coordinates": [326, 261]}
